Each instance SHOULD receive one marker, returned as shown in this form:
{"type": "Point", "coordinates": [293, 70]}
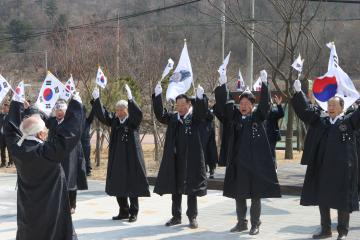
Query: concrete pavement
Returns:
{"type": "Point", "coordinates": [281, 218]}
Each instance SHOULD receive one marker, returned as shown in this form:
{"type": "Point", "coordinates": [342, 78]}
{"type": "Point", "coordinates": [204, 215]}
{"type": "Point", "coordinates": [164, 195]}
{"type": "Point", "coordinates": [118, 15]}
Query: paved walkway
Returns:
{"type": "Point", "coordinates": [281, 218]}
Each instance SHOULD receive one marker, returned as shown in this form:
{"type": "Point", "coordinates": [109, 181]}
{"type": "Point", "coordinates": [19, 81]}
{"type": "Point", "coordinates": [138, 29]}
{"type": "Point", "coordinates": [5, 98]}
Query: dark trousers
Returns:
{"type": "Point", "coordinates": [255, 211]}
{"type": "Point", "coordinates": [3, 148]}
{"type": "Point", "coordinates": [192, 210]}
{"type": "Point", "coordinates": [87, 150]}
{"type": "Point", "coordinates": [343, 220]}
{"type": "Point", "coordinates": [72, 198]}
{"type": "Point", "coordinates": [124, 205]}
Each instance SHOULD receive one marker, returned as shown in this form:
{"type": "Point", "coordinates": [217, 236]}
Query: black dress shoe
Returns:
{"type": "Point", "coordinates": [239, 227]}
{"type": "Point", "coordinates": [88, 174]}
{"type": "Point", "coordinates": [121, 217]}
{"type": "Point", "coordinates": [193, 223]}
{"type": "Point", "coordinates": [342, 236]}
{"type": "Point", "coordinates": [324, 233]}
{"type": "Point", "coordinates": [173, 221]}
{"type": "Point", "coordinates": [254, 230]}
{"type": "Point", "coordinates": [132, 218]}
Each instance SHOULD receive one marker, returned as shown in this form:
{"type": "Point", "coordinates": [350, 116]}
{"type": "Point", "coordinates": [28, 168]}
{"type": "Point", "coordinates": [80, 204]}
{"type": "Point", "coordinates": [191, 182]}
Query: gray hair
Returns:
{"type": "Point", "coordinates": [121, 103]}
{"type": "Point", "coordinates": [30, 127]}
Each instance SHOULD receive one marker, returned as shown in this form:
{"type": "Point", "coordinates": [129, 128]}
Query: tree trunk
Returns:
{"type": "Point", "coordinates": [289, 134]}
{"type": "Point", "coordinates": [102, 140]}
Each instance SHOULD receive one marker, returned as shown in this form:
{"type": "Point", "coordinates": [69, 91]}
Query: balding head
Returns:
{"type": "Point", "coordinates": [335, 106]}
{"type": "Point", "coordinates": [33, 126]}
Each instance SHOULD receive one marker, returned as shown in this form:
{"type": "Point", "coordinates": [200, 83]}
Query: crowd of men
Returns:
{"type": "Point", "coordinates": [51, 165]}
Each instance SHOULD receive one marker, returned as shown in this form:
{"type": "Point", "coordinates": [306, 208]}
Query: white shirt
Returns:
{"type": "Point", "coordinates": [333, 121]}
{"type": "Point", "coordinates": [187, 114]}
{"type": "Point", "coordinates": [33, 138]}
{"type": "Point", "coordinates": [123, 120]}
{"type": "Point", "coordinates": [59, 121]}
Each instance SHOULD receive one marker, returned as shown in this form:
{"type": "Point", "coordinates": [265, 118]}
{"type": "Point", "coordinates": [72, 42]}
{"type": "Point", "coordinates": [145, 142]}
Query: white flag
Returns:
{"type": "Point", "coordinates": [298, 64]}
{"type": "Point", "coordinates": [334, 83]}
{"type": "Point", "coordinates": [101, 79]}
{"type": "Point", "coordinates": [69, 89]}
{"type": "Point", "coordinates": [222, 68]}
{"type": "Point", "coordinates": [19, 93]}
{"type": "Point", "coordinates": [168, 68]}
{"type": "Point", "coordinates": [180, 81]}
{"type": "Point", "coordinates": [240, 86]}
{"type": "Point", "coordinates": [50, 92]}
{"type": "Point", "coordinates": [257, 85]}
{"type": "Point", "coordinates": [4, 88]}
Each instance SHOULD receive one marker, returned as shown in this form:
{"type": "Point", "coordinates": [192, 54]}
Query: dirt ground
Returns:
{"type": "Point", "coordinates": [99, 172]}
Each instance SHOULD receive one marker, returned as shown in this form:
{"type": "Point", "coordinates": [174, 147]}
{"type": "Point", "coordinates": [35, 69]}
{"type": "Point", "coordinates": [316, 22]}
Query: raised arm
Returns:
{"type": "Point", "coordinates": [67, 134]}
{"type": "Point", "coordinates": [102, 113]}
{"type": "Point", "coordinates": [280, 112]}
{"type": "Point", "coordinates": [12, 123]}
{"type": "Point", "coordinates": [219, 114]}
{"type": "Point", "coordinates": [200, 105]}
{"type": "Point", "coordinates": [135, 114]}
{"type": "Point", "coordinates": [221, 97]}
{"type": "Point", "coordinates": [354, 119]}
{"type": "Point", "coordinates": [161, 113]}
{"type": "Point", "coordinates": [263, 108]}
{"type": "Point", "coordinates": [307, 113]}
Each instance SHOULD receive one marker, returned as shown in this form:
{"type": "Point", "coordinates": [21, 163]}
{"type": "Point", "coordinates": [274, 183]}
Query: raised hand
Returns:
{"type": "Point", "coordinates": [158, 89]}
{"type": "Point", "coordinates": [96, 93]}
{"type": "Point", "coordinates": [128, 90]}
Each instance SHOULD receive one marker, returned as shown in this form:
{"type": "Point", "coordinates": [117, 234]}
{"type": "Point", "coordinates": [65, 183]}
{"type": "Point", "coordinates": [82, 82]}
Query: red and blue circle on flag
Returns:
{"type": "Point", "coordinates": [17, 90]}
{"type": "Point", "coordinates": [324, 88]}
{"type": "Point", "coordinates": [48, 94]}
{"type": "Point", "coordinates": [102, 79]}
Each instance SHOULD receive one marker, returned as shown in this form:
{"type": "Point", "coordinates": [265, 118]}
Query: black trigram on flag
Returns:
{"type": "Point", "coordinates": [48, 83]}
{"type": "Point", "coordinates": [48, 106]}
{"type": "Point", "coordinates": [56, 89]}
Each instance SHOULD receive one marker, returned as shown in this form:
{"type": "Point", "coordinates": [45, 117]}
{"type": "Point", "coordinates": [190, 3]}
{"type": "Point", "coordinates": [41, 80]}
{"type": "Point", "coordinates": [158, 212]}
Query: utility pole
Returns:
{"type": "Point", "coordinates": [118, 47]}
{"type": "Point", "coordinates": [223, 18]}
{"type": "Point", "coordinates": [250, 47]}
{"type": "Point", "coordinates": [218, 125]}
{"type": "Point", "coordinates": [46, 61]}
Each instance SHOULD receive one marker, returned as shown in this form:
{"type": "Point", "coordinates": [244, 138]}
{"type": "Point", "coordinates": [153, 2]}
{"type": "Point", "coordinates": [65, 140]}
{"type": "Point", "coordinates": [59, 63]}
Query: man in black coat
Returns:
{"type": "Point", "coordinates": [209, 143]}
{"type": "Point", "coordinates": [272, 125]}
{"type": "Point", "coordinates": [85, 140]}
{"type": "Point", "coordinates": [43, 210]}
{"type": "Point", "coordinates": [126, 172]}
{"type": "Point", "coordinates": [74, 163]}
{"type": "Point", "coordinates": [250, 171]}
{"type": "Point", "coordinates": [3, 147]}
{"type": "Point", "coordinates": [330, 152]}
{"type": "Point", "coordinates": [182, 169]}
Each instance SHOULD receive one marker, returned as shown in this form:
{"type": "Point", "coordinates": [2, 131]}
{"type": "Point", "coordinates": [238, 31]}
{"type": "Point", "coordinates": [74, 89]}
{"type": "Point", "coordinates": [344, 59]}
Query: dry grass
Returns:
{"type": "Point", "coordinates": [99, 173]}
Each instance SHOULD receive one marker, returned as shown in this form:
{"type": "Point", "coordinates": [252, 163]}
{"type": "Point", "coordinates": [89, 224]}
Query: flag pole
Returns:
{"type": "Point", "coordinates": [192, 82]}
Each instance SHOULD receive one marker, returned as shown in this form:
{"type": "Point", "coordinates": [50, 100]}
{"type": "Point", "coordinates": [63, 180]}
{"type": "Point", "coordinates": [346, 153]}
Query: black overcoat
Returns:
{"type": "Point", "coordinates": [43, 209]}
{"type": "Point", "coordinates": [74, 162]}
{"type": "Point", "coordinates": [126, 173]}
{"type": "Point", "coordinates": [182, 168]}
{"type": "Point", "coordinates": [330, 153]}
{"type": "Point", "coordinates": [250, 171]}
